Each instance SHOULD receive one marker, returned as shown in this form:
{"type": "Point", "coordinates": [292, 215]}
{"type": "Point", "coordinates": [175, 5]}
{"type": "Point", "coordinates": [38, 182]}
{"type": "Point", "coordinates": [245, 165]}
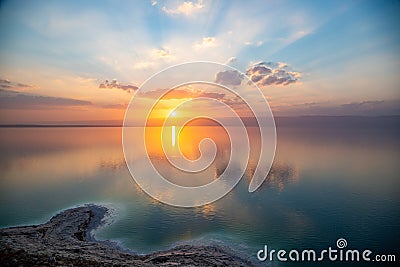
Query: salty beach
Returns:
{"type": "Point", "coordinates": [67, 240]}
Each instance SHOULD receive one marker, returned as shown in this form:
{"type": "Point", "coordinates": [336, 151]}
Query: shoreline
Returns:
{"type": "Point", "coordinates": [67, 239]}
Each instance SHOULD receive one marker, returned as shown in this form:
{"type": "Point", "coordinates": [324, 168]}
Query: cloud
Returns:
{"type": "Point", "coordinates": [7, 84]}
{"type": "Point", "coordinates": [231, 60]}
{"type": "Point", "coordinates": [270, 73]}
{"type": "Point", "coordinates": [234, 102]}
{"type": "Point", "coordinates": [362, 104]}
{"type": "Point", "coordinates": [23, 85]}
{"type": "Point", "coordinates": [362, 108]}
{"type": "Point", "coordinates": [114, 106]}
{"type": "Point", "coordinates": [186, 8]}
{"type": "Point", "coordinates": [256, 44]}
{"type": "Point", "coordinates": [161, 53]}
{"type": "Point", "coordinates": [21, 100]}
{"type": "Point", "coordinates": [4, 81]}
{"type": "Point", "coordinates": [231, 100]}
{"type": "Point", "coordinates": [181, 94]}
{"type": "Point", "coordinates": [115, 84]}
{"type": "Point", "coordinates": [154, 58]}
{"type": "Point", "coordinates": [206, 43]}
{"type": "Point", "coordinates": [229, 77]}
{"type": "Point", "coordinates": [368, 107]}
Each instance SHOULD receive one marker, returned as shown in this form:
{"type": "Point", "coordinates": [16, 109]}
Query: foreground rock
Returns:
{"type": "Point", "coordinates": [66, 240]}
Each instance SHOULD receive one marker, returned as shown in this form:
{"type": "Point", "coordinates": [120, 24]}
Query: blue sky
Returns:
{"type": "Point", "coordinates": [342, 52]}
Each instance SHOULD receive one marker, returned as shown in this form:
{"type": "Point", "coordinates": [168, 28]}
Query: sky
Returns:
{"type": "Point", "coordinates": [69, 61]}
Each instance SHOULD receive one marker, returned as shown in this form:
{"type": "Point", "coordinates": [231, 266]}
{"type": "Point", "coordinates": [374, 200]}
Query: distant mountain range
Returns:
{"type": "Point", "coordinates": [301, 121]}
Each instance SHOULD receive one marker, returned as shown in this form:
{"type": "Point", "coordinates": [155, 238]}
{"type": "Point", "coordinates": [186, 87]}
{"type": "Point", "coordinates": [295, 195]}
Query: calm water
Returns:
{"type": "Point", "coordinates": [324, 184]}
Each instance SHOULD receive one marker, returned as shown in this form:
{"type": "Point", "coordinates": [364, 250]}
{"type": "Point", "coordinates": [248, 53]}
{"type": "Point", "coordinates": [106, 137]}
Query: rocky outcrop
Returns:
{"type": "Point", "coordinates": [66, 240]}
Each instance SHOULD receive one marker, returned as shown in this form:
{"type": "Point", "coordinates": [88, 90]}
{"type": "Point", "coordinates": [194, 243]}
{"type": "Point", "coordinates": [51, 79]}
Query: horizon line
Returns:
{"type": "Point", "coordinates": [117, 123]}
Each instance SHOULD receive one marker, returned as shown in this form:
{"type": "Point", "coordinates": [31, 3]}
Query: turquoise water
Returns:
{"type": "Point", "coordinates": [325, 184]}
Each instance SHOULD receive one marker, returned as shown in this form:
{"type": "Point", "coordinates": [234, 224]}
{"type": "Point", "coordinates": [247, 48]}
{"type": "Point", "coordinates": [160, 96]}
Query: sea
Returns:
{"type": "Point", "coordinates": [328, 181]}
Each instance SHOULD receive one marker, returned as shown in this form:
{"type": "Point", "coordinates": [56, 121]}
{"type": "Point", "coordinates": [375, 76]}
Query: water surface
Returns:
{"type": "Point", "coordinates": [324, 184]}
